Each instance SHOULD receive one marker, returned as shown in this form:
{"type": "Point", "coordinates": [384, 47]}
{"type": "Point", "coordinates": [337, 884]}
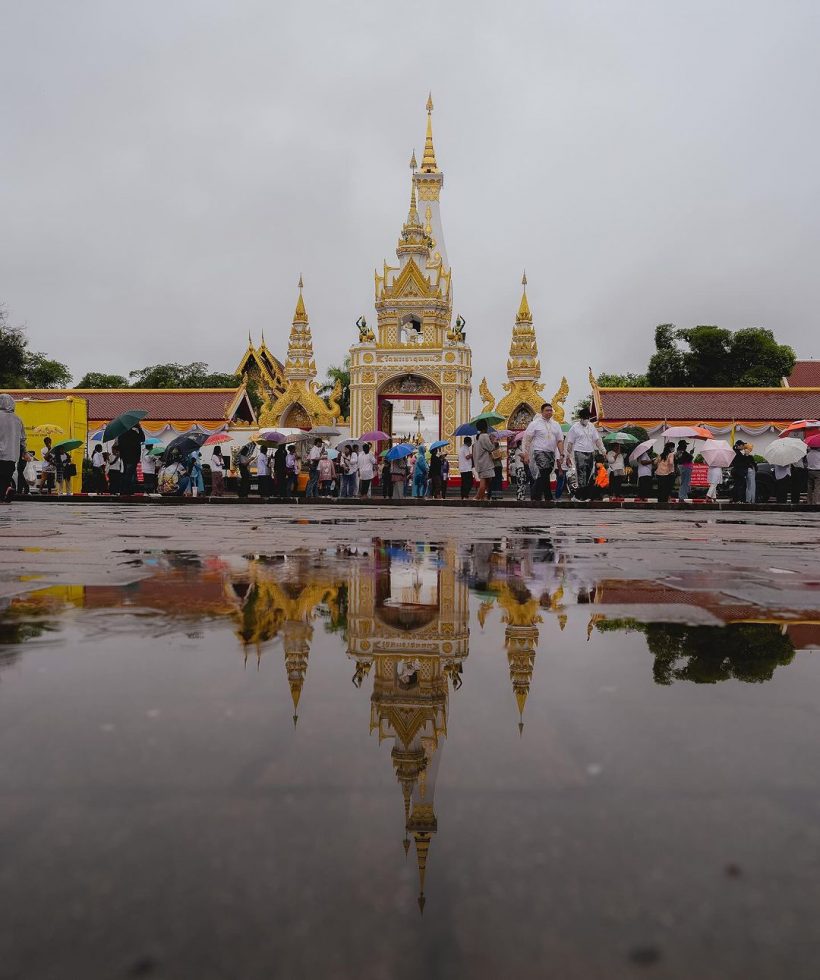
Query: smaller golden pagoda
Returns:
{"type": "Point", "coordinates": [524, 391]}
{"type": "Point", "coordinates": [299, 405]}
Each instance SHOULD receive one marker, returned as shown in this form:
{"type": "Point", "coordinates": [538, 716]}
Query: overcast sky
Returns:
{"type": "Point", "coordinates": [170, 168]}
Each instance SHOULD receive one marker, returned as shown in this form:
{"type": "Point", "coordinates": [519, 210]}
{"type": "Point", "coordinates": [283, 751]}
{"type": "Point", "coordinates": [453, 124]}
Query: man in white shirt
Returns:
{"type": "Point", "coordinates": [465, 467]}
{"type": "Point", "coordinates": [367, 470]}
{"type": "Point", "coordinates": [312, 488]}
{"type": "Point", "coordinates": [263, 473]}
{"type": "Point", "coordinates": [584, 439]}
{"type": "Point", "coordinates": [543, 441]}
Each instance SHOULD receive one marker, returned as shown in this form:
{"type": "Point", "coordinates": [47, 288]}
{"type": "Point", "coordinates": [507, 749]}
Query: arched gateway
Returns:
{"type": "Point", "coordinates": [416, 356]}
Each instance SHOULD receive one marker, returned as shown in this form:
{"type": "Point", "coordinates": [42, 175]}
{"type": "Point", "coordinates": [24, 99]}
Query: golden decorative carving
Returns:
{"type": "Point", "coordinates": [558, 400]}
{"type": "Point", "coordinates": [487, 395]}
{"type": "Point", "coordinates": [449, 357]}
{"type": "Point", "coordinates": [368, 358]}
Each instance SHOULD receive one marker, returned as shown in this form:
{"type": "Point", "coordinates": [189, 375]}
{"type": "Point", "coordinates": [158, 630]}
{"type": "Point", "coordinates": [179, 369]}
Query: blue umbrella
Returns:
{"type": "Point", "coordinates": [400, 451]}
{"type": "Point", "coordinates": [153, 441]}
{"type": "Point", "coordinates": [468, 429]}
{"type": "Point", "coordinates": [439, 443]}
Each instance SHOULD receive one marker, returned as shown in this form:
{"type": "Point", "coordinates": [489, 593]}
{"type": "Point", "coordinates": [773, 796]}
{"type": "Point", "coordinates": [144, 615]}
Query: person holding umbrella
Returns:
{"type": "Point", "coordinates": [615, 458]}
{"type": "Point", "coordinates": [465, 467]}
{"type": "Point", "coordinates": [130, 444]}
{"type": "Point", "coordinates": [244, 459]}
{"type": "Point", "coordinates": [483, 459]}
{"type": "Point", "coordinates": [665, 472]}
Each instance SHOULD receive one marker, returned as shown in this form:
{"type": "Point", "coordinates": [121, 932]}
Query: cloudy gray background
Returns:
{"type": "Point", "coordinates": [169, 168]}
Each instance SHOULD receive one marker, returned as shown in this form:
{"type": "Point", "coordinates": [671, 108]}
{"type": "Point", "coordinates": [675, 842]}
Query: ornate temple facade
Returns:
{"type": "Point", "coordinates": [289, 391]}
{"type": "Point", "coordinates": [415, 352]}
{"type": "Point", "coordinates": [524, 391]}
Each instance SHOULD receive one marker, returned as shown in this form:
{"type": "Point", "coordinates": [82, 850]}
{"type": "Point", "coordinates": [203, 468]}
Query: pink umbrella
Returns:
{"type": "Point", "coordinates": [375, 436]}
{"type": "Point", "coordinates": [813, 442]}
{"type": "Point", "coordinates": [216, 438]}
{"type": "Point", "coordinates": [687, 432]}
{"type": "Point", "coordinates": [718, 453]}
{"type": "Point", "coordinates": [640, 449]}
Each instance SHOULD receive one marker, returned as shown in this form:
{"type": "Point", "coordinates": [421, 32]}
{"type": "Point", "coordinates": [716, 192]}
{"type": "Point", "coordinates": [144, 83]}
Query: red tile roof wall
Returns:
{"type": "Point", "coordinates": [806, 374]}
{"type": "Point", "coordinates": [166, 404]}
{"type": "Point", "coordinates": [707, 404]}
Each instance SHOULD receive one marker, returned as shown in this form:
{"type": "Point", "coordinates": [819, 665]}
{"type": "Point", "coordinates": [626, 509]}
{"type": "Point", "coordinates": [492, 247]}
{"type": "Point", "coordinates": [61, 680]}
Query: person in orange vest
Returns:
{"type": "Point", "coordinates": [601, 479]}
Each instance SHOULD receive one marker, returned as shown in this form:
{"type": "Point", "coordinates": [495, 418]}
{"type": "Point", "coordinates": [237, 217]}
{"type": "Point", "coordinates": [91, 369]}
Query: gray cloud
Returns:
{"type": "Point", "coordinates": [170, 169]}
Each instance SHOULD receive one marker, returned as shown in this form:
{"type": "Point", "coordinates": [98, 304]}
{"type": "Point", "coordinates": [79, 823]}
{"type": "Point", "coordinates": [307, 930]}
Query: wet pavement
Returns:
{"type": "Point", "coordinates": [446, 745]}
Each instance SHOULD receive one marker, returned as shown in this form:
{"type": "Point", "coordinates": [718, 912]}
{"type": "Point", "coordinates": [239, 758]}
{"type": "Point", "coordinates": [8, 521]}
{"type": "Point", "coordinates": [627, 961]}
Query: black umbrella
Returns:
{"type": "Point", "coordinates": [185, 444]}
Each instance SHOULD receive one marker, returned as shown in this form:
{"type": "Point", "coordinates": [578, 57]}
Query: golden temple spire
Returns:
{"type": "Point", "coordinates": [263, 337]}
{"type": "Point", "coordinates": [413, 165]}
{"type": "Point", "coordinates": [524, 315]}
{"type": "Point", "coordinates": [300, 316]}
{"type": "Point", "coordinates": [428, 161]}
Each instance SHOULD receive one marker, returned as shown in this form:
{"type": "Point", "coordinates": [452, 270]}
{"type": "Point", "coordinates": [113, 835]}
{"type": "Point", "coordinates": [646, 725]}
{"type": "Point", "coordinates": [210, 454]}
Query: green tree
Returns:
{"type": "Point", "coordinates": [95, 379]}
{"type": "Point", "coordinates": [193, 375]}
{"type": "Point", "coordinates": [22, 368]}
{"type": "Point", "coordinates": [713, 357]}
{"type": "Point", "coordinates": [341, 374]}
{"type": "Point", "coordinates": [622, 381]}
{"type": "Point", "coordinates": [665, 368]}
{"type": "Point", "coordinates": [13, 353]}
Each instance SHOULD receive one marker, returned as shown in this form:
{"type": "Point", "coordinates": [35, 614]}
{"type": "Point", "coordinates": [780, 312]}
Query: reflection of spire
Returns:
{"type": "Point", "coordinates": [422, 824]}
{"type": "Point", "coordinates": [520, 639]}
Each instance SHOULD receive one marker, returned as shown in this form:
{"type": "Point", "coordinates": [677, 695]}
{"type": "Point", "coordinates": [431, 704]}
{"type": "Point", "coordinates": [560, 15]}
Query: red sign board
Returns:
{"type": "Point", "coordinates": [700, 475]}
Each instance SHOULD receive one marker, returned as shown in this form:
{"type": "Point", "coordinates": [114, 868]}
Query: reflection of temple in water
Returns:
{"type": "Point", "coordinates": [408, 624]}
{"type": "Point", "coordinates": [271, 605]}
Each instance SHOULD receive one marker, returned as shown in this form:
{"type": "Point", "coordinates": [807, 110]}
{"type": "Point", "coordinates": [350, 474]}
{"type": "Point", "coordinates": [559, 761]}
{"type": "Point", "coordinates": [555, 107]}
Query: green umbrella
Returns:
{"type": "Point", "coordinates": [157, 450]}
{"type": "Point", "coordinates": [491, 418]}
{"type": "Point", "coordinates": [625, 438]}
{"type": "Point", "coordinates": [122, 423]}
{"type": "Point", "coordinates": [68, 444]}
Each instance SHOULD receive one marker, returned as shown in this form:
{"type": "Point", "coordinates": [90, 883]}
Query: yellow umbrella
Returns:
{"type": "Point", "coordinates": [47, 430]}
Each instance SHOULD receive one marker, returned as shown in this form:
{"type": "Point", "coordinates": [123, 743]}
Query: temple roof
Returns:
{"type": "Point", "coordinates": [104, 404]}
{"type": "Point", "coordinates": [776, 405]}
{"type": "Point", "coordinates": [805, 374]}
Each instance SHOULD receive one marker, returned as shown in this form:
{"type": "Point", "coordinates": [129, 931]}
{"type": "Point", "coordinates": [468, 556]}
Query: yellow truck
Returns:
{"type": "Point", "coordinates": [68, 416]}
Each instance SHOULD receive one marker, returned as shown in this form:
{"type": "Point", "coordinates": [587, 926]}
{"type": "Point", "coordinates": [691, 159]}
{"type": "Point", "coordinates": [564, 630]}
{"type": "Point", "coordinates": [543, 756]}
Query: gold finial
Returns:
{"type": "Point", "coordinates": [300, 316]}
{"type": "Point", "coordinates": [413, 165]}
{"type": "Point", "coordinates": [263, 338]}
{"type": "Point", "coordinates": [250, 342]}
{"type": "Point", "coordinates": [524, 315]}
{"type": "Point", "coordinates": [428, 161]}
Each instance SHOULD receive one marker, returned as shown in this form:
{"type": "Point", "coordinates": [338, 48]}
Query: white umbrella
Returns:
{"type": "Point", "coordinates": [640, 449]}
{"type": "Point", "coordinates": [718, 452]}
{"type": "Point", "coordinates": [784, 452]}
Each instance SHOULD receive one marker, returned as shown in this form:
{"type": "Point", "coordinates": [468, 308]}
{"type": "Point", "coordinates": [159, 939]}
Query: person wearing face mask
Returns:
{"type": "Point", "coordinates": [543, 442]}
{"type": "Point", "coordinates": [582, 443]}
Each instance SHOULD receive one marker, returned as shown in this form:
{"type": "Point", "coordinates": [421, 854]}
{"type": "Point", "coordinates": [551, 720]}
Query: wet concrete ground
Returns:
{"type": "Point", "coordinates": [582, 744]}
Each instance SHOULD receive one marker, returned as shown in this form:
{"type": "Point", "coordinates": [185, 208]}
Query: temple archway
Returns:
{"type": "Point", "coordinates": [409, 408]}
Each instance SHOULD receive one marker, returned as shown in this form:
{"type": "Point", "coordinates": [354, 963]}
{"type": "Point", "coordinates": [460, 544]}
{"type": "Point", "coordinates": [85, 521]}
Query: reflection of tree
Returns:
{"type": "Point", "coordinates": [747, 652]}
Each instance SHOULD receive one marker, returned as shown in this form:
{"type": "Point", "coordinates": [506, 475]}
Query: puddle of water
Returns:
{"type": "Point", "coordinates": [231, 756]}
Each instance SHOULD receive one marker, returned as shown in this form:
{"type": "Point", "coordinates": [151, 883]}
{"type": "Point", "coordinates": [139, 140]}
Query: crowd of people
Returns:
{"type": "Point", "coordinates": [544, 463]}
